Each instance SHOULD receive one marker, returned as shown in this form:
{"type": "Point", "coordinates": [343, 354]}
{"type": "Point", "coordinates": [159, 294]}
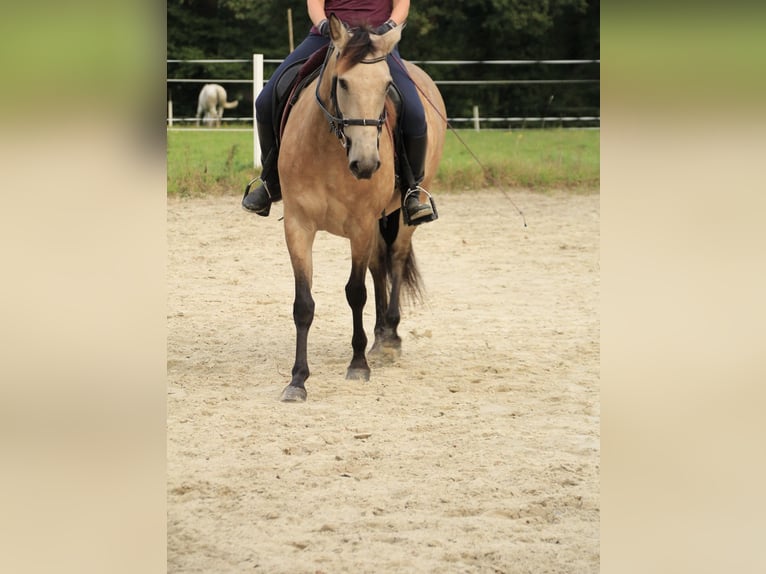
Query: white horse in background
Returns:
{"type": "Point", "coordinates": [211, 103]}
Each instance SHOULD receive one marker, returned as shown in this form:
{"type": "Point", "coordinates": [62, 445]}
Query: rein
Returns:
{"type": "Point", "coordinates": [337, 121]}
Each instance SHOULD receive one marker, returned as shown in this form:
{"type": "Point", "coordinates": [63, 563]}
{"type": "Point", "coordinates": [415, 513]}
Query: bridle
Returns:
{"type": "Point", "coordinates": [337, 121]}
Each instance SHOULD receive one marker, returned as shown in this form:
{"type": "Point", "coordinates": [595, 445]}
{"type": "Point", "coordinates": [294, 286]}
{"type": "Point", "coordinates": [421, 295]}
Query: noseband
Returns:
{"type": "Point", "coordinates": [337, 121]}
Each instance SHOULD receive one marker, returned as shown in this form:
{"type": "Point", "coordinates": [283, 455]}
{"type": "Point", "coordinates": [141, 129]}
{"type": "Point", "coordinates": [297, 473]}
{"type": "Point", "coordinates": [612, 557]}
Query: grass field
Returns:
{"type": "Point", "coordinates": [218, 162]}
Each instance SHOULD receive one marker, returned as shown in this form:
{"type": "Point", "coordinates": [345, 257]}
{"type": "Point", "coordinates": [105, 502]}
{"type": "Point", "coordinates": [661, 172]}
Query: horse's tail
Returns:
{"type": "Point", "coordinates": [230, 105]}
{"type": "Point", "coordinates": [411, 279]}
{"type": "Point", "coordinates": [390, 251]}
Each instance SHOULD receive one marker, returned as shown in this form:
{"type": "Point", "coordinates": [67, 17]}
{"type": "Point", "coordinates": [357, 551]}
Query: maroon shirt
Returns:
{"type": "Point", "coordinates": [358, 12]}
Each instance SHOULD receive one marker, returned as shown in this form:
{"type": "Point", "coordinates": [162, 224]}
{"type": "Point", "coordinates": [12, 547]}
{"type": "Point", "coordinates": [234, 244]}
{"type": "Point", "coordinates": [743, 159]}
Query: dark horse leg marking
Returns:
{"type": "Point", "coordinates": [387, 314]}
{"type": "Point", "coordinates": [300, 242]}
{"type": "Point", "coordinates": [392, 269]}
{"type": "Point", "coordinates": [356, 295]}
{"type": "Point", "coordinates": [303, 316]}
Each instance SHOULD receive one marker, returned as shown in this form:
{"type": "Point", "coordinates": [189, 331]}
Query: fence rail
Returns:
{"type": "Point", "coordinates": [257, 81]}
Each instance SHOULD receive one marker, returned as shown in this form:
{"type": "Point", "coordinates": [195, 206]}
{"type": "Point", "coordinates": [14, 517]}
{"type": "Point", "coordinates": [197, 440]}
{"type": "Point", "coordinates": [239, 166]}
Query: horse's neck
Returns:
{"type": "Point", "coordinates": [308, 118]}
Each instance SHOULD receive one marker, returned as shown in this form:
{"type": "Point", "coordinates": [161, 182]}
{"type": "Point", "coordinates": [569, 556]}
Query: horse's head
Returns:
{"type": "Point", "coordinates": [360, 82]}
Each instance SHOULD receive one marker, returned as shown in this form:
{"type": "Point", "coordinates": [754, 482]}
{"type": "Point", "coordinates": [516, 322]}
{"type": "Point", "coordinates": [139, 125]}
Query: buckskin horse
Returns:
{"type": "Point", "coordinates": [342, 180]}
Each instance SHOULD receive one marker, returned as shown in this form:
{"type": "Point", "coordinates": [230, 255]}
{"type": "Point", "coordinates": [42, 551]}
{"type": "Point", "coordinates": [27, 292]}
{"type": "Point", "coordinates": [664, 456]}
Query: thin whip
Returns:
{"type": "Point", "coordinates": [486, 172]}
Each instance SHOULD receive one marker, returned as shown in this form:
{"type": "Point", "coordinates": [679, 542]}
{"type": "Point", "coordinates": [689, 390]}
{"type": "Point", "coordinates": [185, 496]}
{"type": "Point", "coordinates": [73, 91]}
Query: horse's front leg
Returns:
{"type": "Point", "coordinates": [380, 285]}
{"type": "Point", "coordinates": [356, 295]}
{"type": "Point", "coordinates": [299, 244]}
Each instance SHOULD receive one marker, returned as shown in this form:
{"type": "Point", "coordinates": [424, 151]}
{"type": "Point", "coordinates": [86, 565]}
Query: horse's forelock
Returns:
{"type": "Point", "coordinates": [358, 47]}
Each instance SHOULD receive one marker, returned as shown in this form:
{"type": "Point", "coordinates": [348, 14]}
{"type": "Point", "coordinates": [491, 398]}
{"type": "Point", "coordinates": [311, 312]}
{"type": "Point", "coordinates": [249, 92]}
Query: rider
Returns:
{"type": "Point", "coordinates": [383, 16]}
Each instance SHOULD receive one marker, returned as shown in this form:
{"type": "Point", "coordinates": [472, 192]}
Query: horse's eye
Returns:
{"type": "Point", "coordinates": [343, 84]}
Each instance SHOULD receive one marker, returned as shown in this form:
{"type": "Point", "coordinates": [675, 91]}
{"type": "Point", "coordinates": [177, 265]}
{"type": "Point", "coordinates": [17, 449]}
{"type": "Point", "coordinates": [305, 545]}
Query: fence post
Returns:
{"type": "Point", "coordinates": [170, 113]}
{"type": "Point", "coordinates": [476, 118]}
{"type": "Point", "coordinates": [257, 87]}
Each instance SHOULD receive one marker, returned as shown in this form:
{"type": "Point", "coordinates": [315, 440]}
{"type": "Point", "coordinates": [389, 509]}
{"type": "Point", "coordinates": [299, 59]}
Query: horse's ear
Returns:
{"type": "Point", "coordinates": [338, 32]}
{"type": "Point", "coordinates": [386, 42]}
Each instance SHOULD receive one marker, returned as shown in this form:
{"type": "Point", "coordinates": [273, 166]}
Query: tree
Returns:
{"type": "Point", "coordinates": [467, 30]}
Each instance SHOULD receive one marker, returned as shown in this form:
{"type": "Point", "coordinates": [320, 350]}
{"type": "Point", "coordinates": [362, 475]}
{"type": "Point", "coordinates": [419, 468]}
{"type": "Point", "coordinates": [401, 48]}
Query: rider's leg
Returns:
{"type": "Point", "coordinates": [416, 147]}
{"type": "Point", "coordinates": [415, 144]}
{"type": "Point", "coordinates": [259, 200]}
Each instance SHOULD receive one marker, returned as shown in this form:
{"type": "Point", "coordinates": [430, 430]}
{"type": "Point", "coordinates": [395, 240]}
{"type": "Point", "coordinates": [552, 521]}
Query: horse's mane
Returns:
{"type": "Point", "coordinates": [357, 48]}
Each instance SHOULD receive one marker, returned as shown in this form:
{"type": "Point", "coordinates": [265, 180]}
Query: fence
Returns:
{"type": "Point", "coordinates": [476, 120]}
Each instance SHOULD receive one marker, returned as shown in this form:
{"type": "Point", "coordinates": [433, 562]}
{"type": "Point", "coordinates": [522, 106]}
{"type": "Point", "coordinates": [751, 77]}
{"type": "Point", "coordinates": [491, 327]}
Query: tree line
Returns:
{"type": "Point", "coordinates": [466, 30]}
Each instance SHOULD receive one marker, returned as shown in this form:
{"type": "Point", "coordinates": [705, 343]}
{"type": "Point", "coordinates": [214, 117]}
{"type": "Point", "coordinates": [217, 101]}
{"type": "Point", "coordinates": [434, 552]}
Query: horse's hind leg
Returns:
{"type": "Point", "coordinates": [299, 244]}
{"type": "Point", "coordinates": [387, 342]}
{"type": "Point", "coordinates": [380, 280]}
{"type": "Point", "coordinates": [395, 261]}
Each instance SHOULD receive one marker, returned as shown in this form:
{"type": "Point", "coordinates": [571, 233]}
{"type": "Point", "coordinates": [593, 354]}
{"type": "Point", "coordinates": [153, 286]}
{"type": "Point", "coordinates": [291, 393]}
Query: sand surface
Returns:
{"type": "Point", "coordinates": [476, 451]}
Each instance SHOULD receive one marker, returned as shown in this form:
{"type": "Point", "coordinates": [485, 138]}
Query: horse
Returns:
{"type": "Point", "coordinates": [341, 180]}
{"type": "Point", "coordinates": [211, 103]}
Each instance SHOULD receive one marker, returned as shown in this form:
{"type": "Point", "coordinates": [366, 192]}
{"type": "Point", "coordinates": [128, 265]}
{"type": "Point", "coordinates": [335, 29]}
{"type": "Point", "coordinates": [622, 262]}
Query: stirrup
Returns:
{"type": "Point", "coordinates": [264, 211]}
{"type": "Point", "coordinates": [433, 216]}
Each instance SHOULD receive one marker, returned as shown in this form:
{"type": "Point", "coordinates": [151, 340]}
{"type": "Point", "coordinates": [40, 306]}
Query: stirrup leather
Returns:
{"type": "Point", "coordinates": [426, 218]}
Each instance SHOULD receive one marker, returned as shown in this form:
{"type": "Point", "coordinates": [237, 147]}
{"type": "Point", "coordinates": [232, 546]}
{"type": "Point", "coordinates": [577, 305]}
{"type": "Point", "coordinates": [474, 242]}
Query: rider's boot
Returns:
{"type": "Point", "coordinates": [260, 199]}
{"type": "Point", "coordinates": [416, 212]}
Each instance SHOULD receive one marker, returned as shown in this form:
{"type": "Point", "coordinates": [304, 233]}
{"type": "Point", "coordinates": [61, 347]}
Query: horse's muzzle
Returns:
{"type": "Point", "coordinates": [363, 169]}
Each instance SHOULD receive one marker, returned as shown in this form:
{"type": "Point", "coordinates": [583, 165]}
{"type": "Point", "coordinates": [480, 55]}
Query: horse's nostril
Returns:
{"type": "Point", "coordinates": [354, 166]}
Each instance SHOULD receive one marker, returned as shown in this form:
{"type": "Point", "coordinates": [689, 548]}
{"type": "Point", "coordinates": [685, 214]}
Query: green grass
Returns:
{"type": "Point", "coordinates": [536, 159]}
{"type": "Point", "coordinates": [216, 162]}
{"type": "Point", "coordinates": [210, 161]}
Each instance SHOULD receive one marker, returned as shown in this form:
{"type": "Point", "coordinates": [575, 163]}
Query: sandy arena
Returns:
{"type": "Point", "coordinates": [476, 451]}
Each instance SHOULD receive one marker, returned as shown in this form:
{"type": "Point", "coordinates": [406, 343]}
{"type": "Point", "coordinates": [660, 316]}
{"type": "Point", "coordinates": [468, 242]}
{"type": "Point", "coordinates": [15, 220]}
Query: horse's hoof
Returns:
{"type": "Point", "coordinates": [358, 374]}
{"type": "Point", "coordinates": [293, 394]}
{"type": "Point", "coordinates": [386, 351]}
